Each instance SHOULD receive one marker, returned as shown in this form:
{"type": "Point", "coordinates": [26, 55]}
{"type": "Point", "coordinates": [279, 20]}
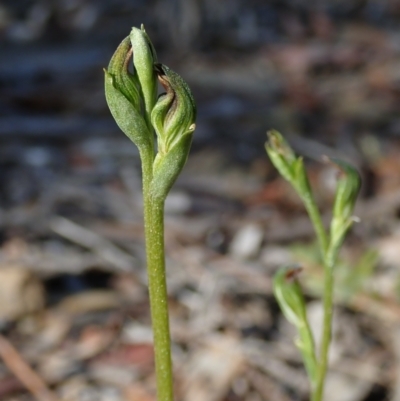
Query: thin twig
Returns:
{"type": "Point", "coordinates": [93, 241]}
{"type": "Point", "coordinates": [24, 373]}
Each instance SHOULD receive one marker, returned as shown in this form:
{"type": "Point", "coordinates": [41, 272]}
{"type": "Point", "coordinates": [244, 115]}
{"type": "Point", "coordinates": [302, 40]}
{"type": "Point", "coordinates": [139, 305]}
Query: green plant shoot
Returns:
{"type": "Point", "coordinates": [286, 288]}
{"type": "Point", "coordinates": [290, 298]}
{"type": "Point", "coordinates": [131, 82]}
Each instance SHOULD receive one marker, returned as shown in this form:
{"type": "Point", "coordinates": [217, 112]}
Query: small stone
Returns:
{"type": "Point", "coordinates": [247, 242]}
{"type": "Point", "coordinates": [21, 293]}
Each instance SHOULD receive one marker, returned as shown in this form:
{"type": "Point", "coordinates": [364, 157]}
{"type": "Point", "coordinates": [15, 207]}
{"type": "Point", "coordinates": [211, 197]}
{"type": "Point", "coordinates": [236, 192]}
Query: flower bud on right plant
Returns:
{"type": "Point", "coordinates": [174, 114]}
{"type": "Point", "coordinates": [347, 190]}
{"type": "Point", "coordinates": [173, 118]}
{"type": "Point", "coordinates": [290, 166]}
{"type": "Point", "coordinates": [281, 155]}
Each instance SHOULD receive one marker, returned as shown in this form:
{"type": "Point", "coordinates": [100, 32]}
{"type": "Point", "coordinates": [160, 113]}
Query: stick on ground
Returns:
{"type": "Point", "coordinates": [25, 374]}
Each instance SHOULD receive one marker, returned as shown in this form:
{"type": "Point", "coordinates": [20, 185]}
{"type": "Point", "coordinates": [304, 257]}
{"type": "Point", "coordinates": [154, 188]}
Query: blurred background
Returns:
{"type": "Point", "coordinates": [73, 295]}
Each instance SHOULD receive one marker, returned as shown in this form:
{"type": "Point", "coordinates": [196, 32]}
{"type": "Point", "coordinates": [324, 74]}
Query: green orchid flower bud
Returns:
{"type": "Point", "coordinates": [118, 67]}
{"type": "Point", "coordinates": [123, 96]}
{"type": "Point", "coordinates": [347, 190]}
{"type": "Point", "coordinates": [144, 58]}
{"type": "Point", "coordinates": [290, 298]}
{"type": "Point", "coordinates": [174, 114]}
{"type": "Point", "coordinates": [290, 166]}
{"type": "Point", "coordinates": [173, 118]}
{"type": "Point", "coordinates": [289, 295]}
{"type": "Point", "coordinates": [281, 155]}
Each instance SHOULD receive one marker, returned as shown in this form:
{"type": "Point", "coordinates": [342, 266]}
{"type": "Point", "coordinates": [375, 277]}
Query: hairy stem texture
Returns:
{"type": "Point", "coordinates": [154, 233]}
{"type": "Point", "coordinates": [330, 259]}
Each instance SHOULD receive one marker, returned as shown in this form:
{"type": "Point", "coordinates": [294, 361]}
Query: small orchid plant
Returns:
{"type": "Point", "coordinates": [286, 285]}
{"type": "Point", "coordinates": [162, 128]}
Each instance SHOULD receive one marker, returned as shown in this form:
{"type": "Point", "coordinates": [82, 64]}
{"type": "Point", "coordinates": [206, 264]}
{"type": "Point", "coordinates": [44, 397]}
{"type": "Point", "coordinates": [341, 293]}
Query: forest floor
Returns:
{"type": "Point", "coordinates": [74, 312]}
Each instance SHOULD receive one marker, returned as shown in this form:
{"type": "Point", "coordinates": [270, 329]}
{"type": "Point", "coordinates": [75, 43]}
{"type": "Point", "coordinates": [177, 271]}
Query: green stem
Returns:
{"type": "Point", "coordinates": [154, 236]}
{"type": "Point", "coordinates": [326, 336]}
{"type": "Point", "coordinates": [329, 264]}
{"type": "Point", "coordinates": [316, 220]}
{"type": "Point", "coordinates": [159, 301]}
{"type": "Point", "coordinates": [329, 260]}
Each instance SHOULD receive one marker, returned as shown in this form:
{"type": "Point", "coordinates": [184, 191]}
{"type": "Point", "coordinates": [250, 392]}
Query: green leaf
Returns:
{"type": "Point", "coordinates": [167, 167]}
{"type": "Point", "coordinates": [290, 298]}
